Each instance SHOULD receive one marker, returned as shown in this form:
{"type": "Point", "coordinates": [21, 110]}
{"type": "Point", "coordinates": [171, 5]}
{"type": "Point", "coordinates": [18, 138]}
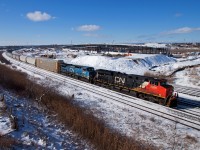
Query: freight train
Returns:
{"type": "Point", "coordinates": [144, 87]}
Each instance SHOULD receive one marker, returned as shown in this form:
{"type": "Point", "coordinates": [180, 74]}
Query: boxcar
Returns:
{"type": "Point", "coordinates": [23, 58]}
{"type": "Point", "coordinates": [30, 60]}
{"type": "Point", "coordinates": [17, 57]}
{"type": "Point", "coordinates": [49, 64]}
{"type": "Point", "coordinates": [9, 54]}
{"type": "Point", "coordinates": [13, 56]}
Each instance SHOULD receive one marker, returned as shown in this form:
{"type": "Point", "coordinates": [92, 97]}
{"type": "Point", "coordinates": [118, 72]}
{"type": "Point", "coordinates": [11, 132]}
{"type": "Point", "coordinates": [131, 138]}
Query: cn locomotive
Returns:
{"type": "Point", "coordinates": [144, 87]}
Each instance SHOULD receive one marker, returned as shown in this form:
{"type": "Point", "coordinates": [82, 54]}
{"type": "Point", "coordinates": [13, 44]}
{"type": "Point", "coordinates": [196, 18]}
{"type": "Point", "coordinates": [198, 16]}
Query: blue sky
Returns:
{"type": "Point", "coordinates": [98, 21]}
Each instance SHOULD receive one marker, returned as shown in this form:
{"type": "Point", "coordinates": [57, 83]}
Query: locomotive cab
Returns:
{"type": "Point", "coordinates": [170, 96]}
{"type": "Point", "coordinates": [160, 89]}
{"type": "Point", "coordinates": [89, 73]}
{"type": "Point", "coordinates": [92, 73]}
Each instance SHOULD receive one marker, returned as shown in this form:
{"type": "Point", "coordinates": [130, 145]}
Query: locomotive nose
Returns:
{"type": "Point", "coordinates": [92, 74]}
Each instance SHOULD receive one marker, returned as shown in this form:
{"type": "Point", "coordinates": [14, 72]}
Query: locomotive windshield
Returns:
{"type": "Point", "coordinates": [90, 69]}
{"type": "Point", "coordinates": [163, 84]}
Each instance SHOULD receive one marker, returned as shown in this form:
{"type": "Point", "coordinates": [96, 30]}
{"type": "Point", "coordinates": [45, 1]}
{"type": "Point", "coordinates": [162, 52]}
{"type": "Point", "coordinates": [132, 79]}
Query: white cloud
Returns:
{"type": "Point", "coordinates": [38, 16]}
{"type": "Point", "coordinates": [181, 31]}
{"type": "Point", "coordinates": [88, 28]}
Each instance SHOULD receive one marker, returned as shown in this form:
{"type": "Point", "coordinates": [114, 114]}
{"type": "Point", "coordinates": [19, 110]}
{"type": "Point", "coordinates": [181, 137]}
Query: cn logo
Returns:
{"type": "Point", "coordinates": [119, 80]}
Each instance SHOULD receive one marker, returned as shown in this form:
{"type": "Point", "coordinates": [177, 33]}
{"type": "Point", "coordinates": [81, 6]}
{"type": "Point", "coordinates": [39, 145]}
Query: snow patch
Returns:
{"type": "Point", "coordinates": [136, 64]}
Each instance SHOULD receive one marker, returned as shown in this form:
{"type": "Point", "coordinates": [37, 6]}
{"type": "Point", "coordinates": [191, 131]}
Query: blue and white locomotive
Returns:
{"type": "Point", "coordinates": [84, 72]}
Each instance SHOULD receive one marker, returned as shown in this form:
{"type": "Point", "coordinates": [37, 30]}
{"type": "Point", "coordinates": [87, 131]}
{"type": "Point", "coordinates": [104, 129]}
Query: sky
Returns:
{"type": "Point", "coordinates": [35, 22]}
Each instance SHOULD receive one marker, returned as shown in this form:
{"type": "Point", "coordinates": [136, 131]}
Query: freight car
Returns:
{"type": "Point", "coordinates": [148, 88]}
{"type": "Point", "coordinates": [48, 64]}
{"type": "Point", "coordinates": [23, 58]}
{"type": "Point", "coordinates": [9, 55]}
{"type": "Point", "coordinates": [30, 60]}
{"type": "Point", "coordinates": [16, 56]}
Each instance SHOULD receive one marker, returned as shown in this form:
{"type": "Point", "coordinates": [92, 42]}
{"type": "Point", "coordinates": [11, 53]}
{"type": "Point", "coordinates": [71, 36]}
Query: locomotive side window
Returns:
{"type": "Point", "coordinates": [163, 83]}
{"type": "Point", "coordinates": [154, 83]}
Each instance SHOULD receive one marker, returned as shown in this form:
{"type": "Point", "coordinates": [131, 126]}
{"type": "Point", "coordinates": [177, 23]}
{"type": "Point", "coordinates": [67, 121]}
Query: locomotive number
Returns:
{"type": "Point", "coordinates": [119, 80]}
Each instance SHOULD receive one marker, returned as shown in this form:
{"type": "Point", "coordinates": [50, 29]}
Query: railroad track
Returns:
{"type": "Point", "coordinates": [185, 118]}
{"type": "Point", "coordinates": [189, 103]}
{"type": "Point", "coordinates": [189, 109]}
{"type": "Point", "coordinates": [187, 90]}
{"type": "Point", "coordinates": [189, 106]}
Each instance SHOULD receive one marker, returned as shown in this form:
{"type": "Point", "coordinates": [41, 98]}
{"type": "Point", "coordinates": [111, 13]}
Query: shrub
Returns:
{"type": "Point", "coordinates": [6, 142]}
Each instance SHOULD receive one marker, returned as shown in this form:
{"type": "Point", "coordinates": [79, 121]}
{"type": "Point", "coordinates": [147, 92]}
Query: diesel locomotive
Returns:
{"type": "Point", "coordinates": [148, 88]}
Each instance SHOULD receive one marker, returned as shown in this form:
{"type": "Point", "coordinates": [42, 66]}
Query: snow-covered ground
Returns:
{"type": "Point", "coordinates": [168, 69]}
{"type": "Point", "coordinates": [136, 64]}
{"type": "Point", "coordinates": [156, 45]}
{"type": "Point", "coordinates": [189, 77]}
{"type": "Point", "coordinates": [5, 122]}
{"type": "Point", "coordinates": [37, 129]}
{"type": "Point", "coordinates": [130, 121]}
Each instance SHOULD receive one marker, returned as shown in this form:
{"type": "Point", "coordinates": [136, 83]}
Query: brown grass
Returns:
{"type": "Point", "coordinates": [12, 80]}
{"type": "Point", "coordinates": [73, 116]}
{"type": "Point", "coordinates": [191, 139]}
{"type": "Point", "coordinates": [6, 142]}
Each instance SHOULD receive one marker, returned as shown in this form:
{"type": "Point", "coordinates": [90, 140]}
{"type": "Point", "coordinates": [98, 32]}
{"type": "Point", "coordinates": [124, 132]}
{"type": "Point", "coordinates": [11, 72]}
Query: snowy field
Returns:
{"type": "Point", "coordinates": [37, 129]}
{"type": "Point", "coordinates": [133, 122]}
{"type": "Point", "coordinates": [130, 121]}
{"type": "Point", "coordinates": [168, 69]}
{"type": "Point", "coordinates": [136, 64]}
{"type": "Point", "coordinates": [5, 122]}
{"type": "Point", "coordinates": [189, 77]}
